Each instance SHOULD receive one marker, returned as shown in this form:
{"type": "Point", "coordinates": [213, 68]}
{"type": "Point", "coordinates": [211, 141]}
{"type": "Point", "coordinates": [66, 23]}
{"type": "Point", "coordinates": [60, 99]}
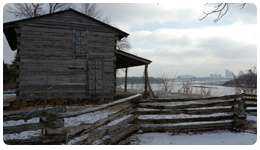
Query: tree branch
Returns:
{"type": "Point", "coordinates": [221, 9]}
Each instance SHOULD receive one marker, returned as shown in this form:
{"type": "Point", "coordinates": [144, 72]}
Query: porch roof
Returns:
{"type": "Point", "coordinates": [126, 60]}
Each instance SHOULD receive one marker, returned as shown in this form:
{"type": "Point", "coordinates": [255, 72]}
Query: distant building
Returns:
{"type": "Point", "coordinates": [211, 76]}
{"type": "Point", "coordinates": [229, 74]}
{"type": "Point", "coordinates": [219, 76]}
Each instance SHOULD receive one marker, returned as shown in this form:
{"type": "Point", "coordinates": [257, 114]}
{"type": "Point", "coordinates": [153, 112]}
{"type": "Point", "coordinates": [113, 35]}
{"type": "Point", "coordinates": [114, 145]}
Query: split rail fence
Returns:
{"type": "Point", "coordinates": [109, 123]}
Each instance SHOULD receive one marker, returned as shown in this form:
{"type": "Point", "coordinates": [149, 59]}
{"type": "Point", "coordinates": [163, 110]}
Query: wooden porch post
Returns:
{"type": "Point", "coordinates": [146, 80]}
{"type": "Point", "coordinates": [126, 79]}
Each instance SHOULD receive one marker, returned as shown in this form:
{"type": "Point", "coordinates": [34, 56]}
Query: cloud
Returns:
{"type": "Point", "coordinates": [197, 51]}
{"type": "Point", "coordinates": [127, 15]}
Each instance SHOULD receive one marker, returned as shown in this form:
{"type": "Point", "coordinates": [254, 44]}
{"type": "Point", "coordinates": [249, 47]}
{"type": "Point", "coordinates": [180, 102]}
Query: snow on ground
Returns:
{"type": "Point", "coordinates": [22, 135]}
{"type": "Point", "coordinates": [220, 137]}
{"type": "Point", "coordinates": [20, 122]}
{"type": "Point", "coordinates": [86, 118]}
{"type": "Point", "coordinates": [8, 95]}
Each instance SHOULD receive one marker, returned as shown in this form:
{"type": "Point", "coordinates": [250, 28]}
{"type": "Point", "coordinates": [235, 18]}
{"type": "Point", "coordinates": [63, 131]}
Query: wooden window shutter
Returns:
{"type": "Point", "coordinates": [95, 74]}
{"type": "Point", "coordinates": [80, 42]}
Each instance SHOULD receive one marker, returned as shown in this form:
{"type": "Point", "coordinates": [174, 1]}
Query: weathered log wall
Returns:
{"type": "Point", "coordinates": [45, 46]}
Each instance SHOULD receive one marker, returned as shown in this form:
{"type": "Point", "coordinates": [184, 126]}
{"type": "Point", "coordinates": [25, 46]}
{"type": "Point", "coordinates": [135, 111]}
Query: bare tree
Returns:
{"type": "Point", "coordinates": [221, 9]}
{"type": "Point", "coordinates": [91, 10]}
{"type": "Point", "coordinates": [186, 88]}
{"type": "Point", "coordinates": [124, 45]}
{"type": "Point", "coordinates": [53, 7]}
{"type": "Point", "coordinates": [246, 83]}
{"type": "Point", "coordinates": [29, 10]}
{"type": "Point", "coordinates": [167, 82]}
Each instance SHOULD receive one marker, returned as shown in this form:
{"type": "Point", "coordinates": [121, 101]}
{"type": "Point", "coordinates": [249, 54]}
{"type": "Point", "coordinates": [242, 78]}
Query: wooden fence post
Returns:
{"type": "Point", "coordinates": [126, 69]}
{"type": "Point", "coordinates": [146, 80]}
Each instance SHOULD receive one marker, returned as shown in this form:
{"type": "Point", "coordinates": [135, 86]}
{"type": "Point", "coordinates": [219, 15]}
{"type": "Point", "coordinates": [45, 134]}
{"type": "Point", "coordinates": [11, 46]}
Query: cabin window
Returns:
{"type": "Point", "coordinates": [95, 75]}
{"type": "Point", "coordinates": [80, 43]}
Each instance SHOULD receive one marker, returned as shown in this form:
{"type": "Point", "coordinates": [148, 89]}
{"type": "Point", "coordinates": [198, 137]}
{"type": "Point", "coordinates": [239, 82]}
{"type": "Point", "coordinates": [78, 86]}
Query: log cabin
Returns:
{"type": "Point", "coordinates": [67, 57]}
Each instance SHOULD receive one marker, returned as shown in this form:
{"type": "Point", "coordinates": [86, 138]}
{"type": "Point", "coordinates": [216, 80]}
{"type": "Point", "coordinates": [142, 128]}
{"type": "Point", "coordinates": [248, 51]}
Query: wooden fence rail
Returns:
{"type": "Point", "coordinates": [251, 103]}
{"type": "Point", "coordinates": [52, 123]}
{"type": "Point", "coordinates": [189, 113]}
{"type": "Point", "coordinates": [100, 125]}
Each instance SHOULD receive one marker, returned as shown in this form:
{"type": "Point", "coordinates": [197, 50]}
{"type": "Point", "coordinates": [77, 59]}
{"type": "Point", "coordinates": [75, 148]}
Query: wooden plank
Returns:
{"type": "Point", "coordinates": [22, 128]}
{"type": "Point", "coordinates": [67, 96]}
{"type": "Point", "coordinates": [44, 38]}
{"type": "Point", "coordinates": [45, 56]}
{"type": "Point", "coordinates": [50, 92]}
{"type": "Point", "coordinates": [44, 46]}
{"type": "Point", "coordinates": [189, 105]}
{"type": "Point", "coordinates": [101, 132]}
{"type": "Point", "coordinates": [32, 127]}
{"type": "Point", "coordinates": [199, 126]}
{"type": "Point", "coordinates": [104, 50]}
{"type": "Point", "coordinates": [45, 43]}
{"type": "Point", "coordinates": [54, 79]}
{"type": "Point", "coordinates": [89, 127]}
{"type": "Point", "coordinates": [122, 134]}
{"type": "Point", "coordinates": [34, 29]}
{"type": "Point", "coordinates": [151, 100]}
{"type": "Point", "coordinates": [68, 78]}
{"type": "Point", "coordinates": [75, 26]}
{"type": "Point", "coordinates": [108, 69]}
{"type": "Point", "coordinates": [179, 120]}
{"type": "Point", "coordinates": [52, 72]}
{"type": "Point", "coordinates": [68, 66]}
{"type": "Point", "coordinates": [112, 46]}
{"type": "Point", "coordinates": [33, 114]}
{"type": "Point", "coordinates": [39, 140]}
{"type": "Point", "coordinates": [71, 114]}
{"type": "Point", "coordinates": [190, 112]}
{"type": "Point", "coordinates": [250, 105]}
{"type": "Point", "coordinates": [54, 88]}
{"type": "Point", "coordinates": [51, 95]}
{"type": "Point", "coordinates": [250, 95]}
{"type": "Point", "coordinates": [50, 83]}
{"type": "Point", "coordinates": [67, 21]}
{"type": "Point", "coordinates": [249, 100]}
{"type": "Point", "coordinates": [101, 34]}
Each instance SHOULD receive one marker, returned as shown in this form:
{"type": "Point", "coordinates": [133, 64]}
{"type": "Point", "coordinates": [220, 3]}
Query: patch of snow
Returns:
{"type": "Point", "coordinates": [106, 137]}
{"type": "Point", "coordinates": [97, 142]}
{"type": "Point", "coordinates": [86, 118]}
{"type": "Point", "coordinates": [20, 122]}
{"type": "Point", "coordinates": [8, 95]}
{"type": "Point", "coordinates": [186, 123]}
{"type": "Point", "coordinates": [77, 139]}
{"type": "Point", "coordinates": [22, 135]}
{"type": "Point", "coordinates": [251, 108]}
{"type": "Point", "coordinates": [76, 107]}
{"type": "Point", "coordinates": [118, 120]}
{"type": "Point", "coordinates": [179, 116]}
{"type": "Point", "coordinates": [216, 107]}
{"type": "Point", "coordinates": [250, 117]}
{"type": "Point", "coordinates": [220, 137]}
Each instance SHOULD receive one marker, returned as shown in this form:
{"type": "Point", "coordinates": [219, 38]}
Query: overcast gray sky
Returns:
{"type": "Point", "coordinates": [173, 38]}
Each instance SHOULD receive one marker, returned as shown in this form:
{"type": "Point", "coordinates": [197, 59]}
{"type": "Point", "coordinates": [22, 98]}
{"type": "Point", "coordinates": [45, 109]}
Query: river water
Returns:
{"type": "Point", "coordinates": [196, 87]}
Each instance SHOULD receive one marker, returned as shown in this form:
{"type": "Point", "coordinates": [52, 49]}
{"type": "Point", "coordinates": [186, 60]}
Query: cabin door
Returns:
{"type": "Point", "coordinates": [95, 76]}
